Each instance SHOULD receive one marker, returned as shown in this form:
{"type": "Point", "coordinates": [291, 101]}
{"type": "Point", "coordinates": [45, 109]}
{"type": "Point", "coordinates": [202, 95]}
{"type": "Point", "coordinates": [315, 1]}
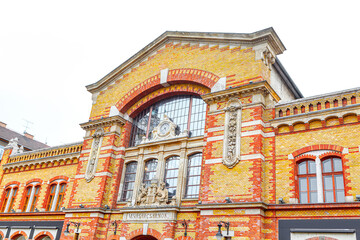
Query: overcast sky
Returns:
{"type": "Point", "coordinates": [50, 50]}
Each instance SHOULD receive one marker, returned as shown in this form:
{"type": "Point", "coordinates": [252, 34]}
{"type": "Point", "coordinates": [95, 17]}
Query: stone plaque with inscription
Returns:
{"type": "Point", "coordinates": [150, 216]}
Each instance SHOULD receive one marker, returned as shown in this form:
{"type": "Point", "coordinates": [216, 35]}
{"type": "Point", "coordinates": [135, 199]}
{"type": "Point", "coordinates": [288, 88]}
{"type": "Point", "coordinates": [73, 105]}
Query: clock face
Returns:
{"type": "Point", "coordinates": [164, 128]}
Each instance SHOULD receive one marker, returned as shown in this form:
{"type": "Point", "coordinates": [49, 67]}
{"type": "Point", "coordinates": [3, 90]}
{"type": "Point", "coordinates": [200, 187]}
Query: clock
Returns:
{"type": "Point", "coordinates": [164, 128]}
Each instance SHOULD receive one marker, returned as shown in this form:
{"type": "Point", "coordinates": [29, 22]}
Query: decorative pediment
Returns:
{"type": "Point", "coordinates": [264, 37]}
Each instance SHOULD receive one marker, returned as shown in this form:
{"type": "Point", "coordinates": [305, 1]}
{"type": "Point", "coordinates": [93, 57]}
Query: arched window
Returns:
{"type": "Point", "coordinates": [193, 176]}
{"type": "Point", "coordinates": [31, 196]}
{"type": "Point", "coordinates": [56, 195]}
{"type": "Point", "coordinates": [326, 185]}
{"type": "Point", "coordinates": [188, 112]}
{"type": "Point", "coordinates": [307, 182]}
{"type": "Point", "coordinates": [149, 171]}
{"type": "Point", "coordinates": [129, 181]}
{"type": "Point", "coordinates": [333, 180]}
{"type": "Point", "coordinates": [171, 174]}
{"type": "Point", "coordinates": [9, 198]}
{"type": "Point", "coordinates": [18, 237]}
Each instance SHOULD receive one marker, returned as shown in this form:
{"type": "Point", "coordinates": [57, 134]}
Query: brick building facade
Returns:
{"type": "Point", "coordinates": [194, 132]}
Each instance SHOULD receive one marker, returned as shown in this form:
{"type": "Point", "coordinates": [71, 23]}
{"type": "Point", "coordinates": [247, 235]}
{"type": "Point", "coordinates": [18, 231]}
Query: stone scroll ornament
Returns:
{"type": "Point", "coordinates": [231, 147]}
{"type": "Point", "coordinates": [93, 160]}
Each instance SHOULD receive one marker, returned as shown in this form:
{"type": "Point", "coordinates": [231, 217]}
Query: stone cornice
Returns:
{"type": "Point", "coordinates": [268, 36]}
{"type": "Point", "coordinates": [262, 86]}
{"type": "Point", "coordinates": [103, 122]}
{"type": "Point", "coordinates": [320, 114]}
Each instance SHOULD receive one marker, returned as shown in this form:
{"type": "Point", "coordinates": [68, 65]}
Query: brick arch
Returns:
{"type": "Point", "coordinates": [318, 147]}
{"type": "Point", "coordinates": [18, 233]}
{"type": "Point", "coordinates": [175, 76]}
{"type": "Point", "coordinates": [183, 238]}
{"type": "Point", "coordinates": [43, 234]}
{"type": "Point", "coordinates": [179, 89]}
{"type": "Point", "coordinates": [150, 232]}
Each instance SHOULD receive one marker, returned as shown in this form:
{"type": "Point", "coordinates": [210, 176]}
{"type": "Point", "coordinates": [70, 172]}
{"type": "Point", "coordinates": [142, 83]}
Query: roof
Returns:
{"type": "Point", "coordinates": [28, 143]}
{"type": "Point", "coordinates": [266, 35]}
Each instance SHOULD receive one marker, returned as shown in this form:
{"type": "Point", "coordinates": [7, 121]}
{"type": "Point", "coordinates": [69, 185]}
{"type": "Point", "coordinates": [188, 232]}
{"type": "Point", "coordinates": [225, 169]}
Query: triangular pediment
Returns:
{"type": "Point", "coordinates": [267, 36]}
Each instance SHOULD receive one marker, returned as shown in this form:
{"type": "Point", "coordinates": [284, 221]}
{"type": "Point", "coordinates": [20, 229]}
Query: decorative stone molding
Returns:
{"type": "Point", "coordinates": [103, 122]}
{"type": "Point", "coordinates": [164, 130]}
{"type": "Point", "coordinates": [154, 195]}
{"type": "Point", "coordinates": [232, 137]}
{"type": "Point", "coordinates": [268, 58]}
{"type": "Point", "coordinates": [94, 155]}
{"type": "Point", "coordinates": [14, 144]}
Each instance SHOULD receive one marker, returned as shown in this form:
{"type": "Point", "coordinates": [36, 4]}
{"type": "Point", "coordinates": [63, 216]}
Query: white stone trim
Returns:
{"type": "Point", "coordinates": [212, 161]}
{"type": "Point", "coordinates": [219, 85]}
{"type": "Point", "coordinates": [145, 228]}
{"type": "Point", "coordinates": [100, 215]}
{"type": "Point", "coordinates": [206, 212]}
{"type": "Point", "coordinates": [258, 132]}
{"type": "Point", "coordinates": [252, 156]}
{"type": "Point", "coordinates": [163, 77]}
{"type": "Point", "coordinates": [113, 111]}
{"type": "Point", "coordinates": [216, 138]}
{"type": "Point", "coordinates": [215, 129]}
{"type": "Point", "coordinates": [253, 123]}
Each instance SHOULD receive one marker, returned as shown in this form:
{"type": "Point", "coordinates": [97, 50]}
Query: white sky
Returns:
{"type": "Point", "coordinates": [50, 50]}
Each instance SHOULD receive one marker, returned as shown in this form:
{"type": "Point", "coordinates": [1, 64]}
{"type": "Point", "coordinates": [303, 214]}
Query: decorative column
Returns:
{"type": "Point", "coordinates": [319, 182]}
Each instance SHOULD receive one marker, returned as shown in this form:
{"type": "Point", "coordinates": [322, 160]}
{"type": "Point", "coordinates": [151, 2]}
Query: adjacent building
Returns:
{"type": "Point", "coordinates": [197, 136]}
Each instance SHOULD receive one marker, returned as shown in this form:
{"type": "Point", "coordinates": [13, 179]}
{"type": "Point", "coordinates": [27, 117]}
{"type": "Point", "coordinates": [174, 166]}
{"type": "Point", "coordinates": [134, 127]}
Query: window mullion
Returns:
{"type": "Point", "coordinates": [148, 125]}
{"type": "Point", "coordinates": [319, 181]}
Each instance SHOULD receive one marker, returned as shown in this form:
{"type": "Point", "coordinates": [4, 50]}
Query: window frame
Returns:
{"type": "Point", "coordinates": [332, 174]}
{"type": "Point", "coordinates": [11, 197]}
{"type": "Point", "coordinates": [147, 182]}
{"type": "Point", "coordinates": [125, 190]}
{"type": "Point", "coordinates": [171, 169]}
{"type": "Point", "coordinates": [188, 168]}
{"type": "Point", "coordinates": [307, 176]}
{"type": "Point", "coordinates": [51, 205]}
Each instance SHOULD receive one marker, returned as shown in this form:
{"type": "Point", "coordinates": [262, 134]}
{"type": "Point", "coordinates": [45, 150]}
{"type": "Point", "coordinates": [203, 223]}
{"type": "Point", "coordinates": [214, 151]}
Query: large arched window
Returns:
{"type": "Point", "coordinates": [188, 112]}
{"type": "Point", "coordinates": [149, 172]}
{"type": "Point", "coordinates": [129, 181]}
{"type": "Point", "coordinates": [171, 174]}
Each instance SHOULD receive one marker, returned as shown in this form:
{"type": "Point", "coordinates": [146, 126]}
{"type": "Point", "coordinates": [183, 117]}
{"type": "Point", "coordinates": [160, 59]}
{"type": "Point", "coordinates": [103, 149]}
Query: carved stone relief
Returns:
{"type": "Point", "coordinates": [13, 143]}
{"type": "Point", "coordinates": [154, 195]}
{"type": "Point", "coordinates": [93, 160]}
{"type": "Point", "coordinates": [231, 147]}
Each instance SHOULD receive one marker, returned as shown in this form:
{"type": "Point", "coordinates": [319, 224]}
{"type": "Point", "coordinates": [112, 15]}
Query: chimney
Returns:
{"type": "Point", "coordinates": [28, 135]}
{"type": "Point", "coordinates": [3, 124]}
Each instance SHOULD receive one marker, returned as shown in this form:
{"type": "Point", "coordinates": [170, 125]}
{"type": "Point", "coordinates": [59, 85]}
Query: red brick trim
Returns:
{"type": "Point", "coordinates": [34, 180]}
{"type": "Point", "coordinates": [184, 238]}
{"type": "Point", "coordinates": [318, 147]}
{"type": "Point", "coordinates": [11, 183]}
{"type": "Point", "coordinates": [139, 232]}
{"type": "Point", "coordinates": [2, 234]}
{"type": "Point", "coordinates": [18, 233]}
{"type": "Point", "coordinates": [43, 234]}
{"type": "Point", "coordinates": [175, 76]}
{"type": "Point", "coordinates": [59, 177]}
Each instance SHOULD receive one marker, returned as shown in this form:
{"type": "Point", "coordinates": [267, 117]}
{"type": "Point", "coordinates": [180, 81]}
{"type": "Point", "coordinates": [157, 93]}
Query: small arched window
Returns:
{"type": "Point", "coordinates": [307, 182]}
{"type": "Point", "coordinates": [149, 171]}
{"type": "Point", "coordinates": [193, 176]}
{"type": "Point", "coordinates": [171, 174]}
{"type": "Point", "coordinates": [31, 196]}
{"type": "Point", "coordinates": [129, 181]}
{"type": "Point", "coordinates": [56, 195]}
{"type": "Point", "coordinates": [9, 198]}
{"type": "Point", "coordinates": [333, 180]}
{"type": "Point", "coordinates": [187, 112]}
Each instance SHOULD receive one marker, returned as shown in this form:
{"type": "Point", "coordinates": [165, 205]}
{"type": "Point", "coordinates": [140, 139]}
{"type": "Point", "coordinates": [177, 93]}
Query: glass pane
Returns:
{"type": "Point", "coordinates": [312, 167]}
{"type": "Point", "coordinates": [328, 183]}
{"type": "Point", "coordinates": [302, 184]}
{"type": "Point", "coordinates": [312, 183]}
{"type": "Point", "coordinates": [313, 197]}
{"type": "Point", "coordinates": [340, 196]}
{"type": "Point", "coordinates": [339, 181]}
{"type": "Point", "coordinates": [329, 196]}
{"type": "Point", "coordinates": [302, 168]}
{"type": "Point", "coordinates": [327, 166]}
{"type": "Point", "coordinates": [303, 197]}
{"type": "Point", "coordinates": [337, 165]}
